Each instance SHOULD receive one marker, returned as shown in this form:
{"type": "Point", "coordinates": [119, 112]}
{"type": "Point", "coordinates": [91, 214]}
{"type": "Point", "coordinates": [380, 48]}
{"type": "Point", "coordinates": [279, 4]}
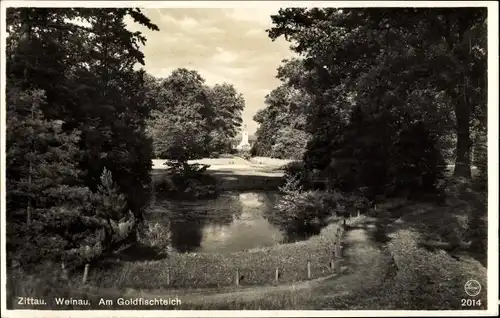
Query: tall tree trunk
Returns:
{"type": "Point", "coordinates": [464, 143]}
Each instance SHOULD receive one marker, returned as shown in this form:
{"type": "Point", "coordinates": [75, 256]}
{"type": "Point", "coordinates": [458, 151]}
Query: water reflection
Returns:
{"type": "Point", "coordinates": [231, 222]}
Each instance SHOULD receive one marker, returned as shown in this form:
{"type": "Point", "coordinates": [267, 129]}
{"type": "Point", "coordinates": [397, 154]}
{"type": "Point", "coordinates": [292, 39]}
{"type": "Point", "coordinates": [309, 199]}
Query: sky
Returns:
{"type": "Point", "coordinates": [223, 45]}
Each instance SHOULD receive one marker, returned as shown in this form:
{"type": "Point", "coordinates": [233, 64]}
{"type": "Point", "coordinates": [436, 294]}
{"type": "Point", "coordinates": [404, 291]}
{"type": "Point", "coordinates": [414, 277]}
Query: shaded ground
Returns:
{"type": "Point", "coordinates": [417, 278]}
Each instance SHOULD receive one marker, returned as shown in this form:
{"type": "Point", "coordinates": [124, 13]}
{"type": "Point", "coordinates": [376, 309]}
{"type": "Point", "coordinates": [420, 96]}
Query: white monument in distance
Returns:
{"type": "Point", "coordinates": [244, 144]}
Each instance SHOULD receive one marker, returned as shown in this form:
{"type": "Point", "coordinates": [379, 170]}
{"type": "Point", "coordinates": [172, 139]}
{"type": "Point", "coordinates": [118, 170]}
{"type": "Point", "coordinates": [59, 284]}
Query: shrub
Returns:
{"type": "Point", "coordinates": [294, 169]}
{"type": "Point", "coordinates": [306, 211]}
{"type": "Point", "coordinates": [187, 182]}
{"type": "Point", "coordinates": [155, 235]}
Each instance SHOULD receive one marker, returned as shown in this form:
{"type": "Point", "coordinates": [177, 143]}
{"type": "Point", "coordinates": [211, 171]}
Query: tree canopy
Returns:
{"type": "Point", "coordinates": [76, 132]}
{"type": "Point", "coordinates": [390, 91]}
{"type": "Point", "coordinates": [193, 120]}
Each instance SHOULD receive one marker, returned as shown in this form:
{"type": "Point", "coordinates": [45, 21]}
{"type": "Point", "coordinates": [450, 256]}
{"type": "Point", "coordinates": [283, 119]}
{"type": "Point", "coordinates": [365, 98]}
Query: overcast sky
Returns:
{"type": "Point", "coordinates": [223, 45]}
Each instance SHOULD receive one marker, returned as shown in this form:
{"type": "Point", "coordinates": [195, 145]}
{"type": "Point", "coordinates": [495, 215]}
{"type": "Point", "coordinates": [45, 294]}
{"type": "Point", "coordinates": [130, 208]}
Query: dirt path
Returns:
{"type": "Point", "coordinates": [363, 266]}
{"type": "Point", "coordinates": [366, 265]}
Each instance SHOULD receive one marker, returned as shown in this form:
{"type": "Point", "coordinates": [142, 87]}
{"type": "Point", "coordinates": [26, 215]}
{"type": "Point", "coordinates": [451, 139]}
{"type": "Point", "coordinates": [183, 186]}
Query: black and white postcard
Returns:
{"type": "Point", "coordinates": [252, 158]}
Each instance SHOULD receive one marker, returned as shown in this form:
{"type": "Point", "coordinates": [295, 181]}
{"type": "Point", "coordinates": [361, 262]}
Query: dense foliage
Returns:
{"type": "Point", "coordinates": [187, 182]}
{"type": "Point", "coordinates": [191, 121]}
{"type": "Point", "coordinates": [389, 93]}
{"type": "Point", "coordinates": [281, 133]}
{"type": "Point", "coordinates": [210, 115]}
{"type": "Point", "coordinates": [304, 212]}
{"type": "Point", "coordinates": [78, 158]}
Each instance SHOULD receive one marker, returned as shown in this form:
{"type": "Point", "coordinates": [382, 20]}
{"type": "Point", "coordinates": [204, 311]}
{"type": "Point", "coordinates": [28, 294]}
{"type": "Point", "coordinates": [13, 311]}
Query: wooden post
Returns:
{"type": "Point", "coordinates": [332, 265]}
{"type": "Point", "coordinates": [337, 248]}
{"type": "Point", "coordinates": [358, 213]}
{"type": "Point", "coordinates": [335, 251]}
{"type": "Point", "coordinates": [277, 274]}
{"type": "Point", "coordinates": [85, 273]}
{"type": "Point", "coordinates": [237, 278]}
{"type": "Point", "coordinates": [308, 269]}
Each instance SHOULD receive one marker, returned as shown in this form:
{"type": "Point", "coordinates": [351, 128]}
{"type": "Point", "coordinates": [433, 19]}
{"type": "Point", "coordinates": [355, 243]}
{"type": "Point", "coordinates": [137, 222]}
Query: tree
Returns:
{"type": "Point", "coordinates": [180, 128]}
{"type": "Point", "coordinates": [376, 74]}
{"type": "Point", "coordinates": [381, 57]}
{"type": "Point", "coordinates": [193, 120]}
{"type": "Point", "coordinates": [42, 181]}
{"type": "Point", "coordinates": [290, 144]}
{"type": "Point", "coordinates": [282, 127]}
{"type": "Point", "coordinates": [228, 105]}
{"type": "Point", "coordinates": [86, 110]}
{"type": "Point", "coordinates": [87, 70]}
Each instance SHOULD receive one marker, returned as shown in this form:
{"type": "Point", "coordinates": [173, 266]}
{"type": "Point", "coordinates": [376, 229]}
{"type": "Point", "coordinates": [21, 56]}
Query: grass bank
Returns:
{"type": "Point", "coordinates": [215, 270]}
{"type": "Point", "coordinates": [419, 279]}
{"type": "Point", "coordinates": [414, 277]}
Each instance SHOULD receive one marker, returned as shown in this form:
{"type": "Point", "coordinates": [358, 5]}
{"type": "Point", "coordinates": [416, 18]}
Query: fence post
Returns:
{"type": "Point", "coordinates": [168, 276]}
{"type": "Point", "coordinates": [277, 274]}
{"type": "Point", "coordinates": [337, 248]}
{"type": "Point", "coordinates": [237, 278]}
{"type": "Point", "coordinates": [332, 265]}
{"type": "Point", "coordinates": [308, 269]}
{"type": "Point", "coordinates": [85, 274]}
{"type": "Point", "coordinates": [358, 213]}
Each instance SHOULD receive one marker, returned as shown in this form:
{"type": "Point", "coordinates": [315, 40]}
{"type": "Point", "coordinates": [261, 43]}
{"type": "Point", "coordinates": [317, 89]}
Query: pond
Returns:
{"type": "Point", "coordinates": [231, 222]}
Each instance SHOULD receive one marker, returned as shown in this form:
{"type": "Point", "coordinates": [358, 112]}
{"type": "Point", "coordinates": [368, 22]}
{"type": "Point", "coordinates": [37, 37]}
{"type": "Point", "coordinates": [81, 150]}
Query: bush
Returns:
{"type": "Point", "coordinates": [155, 235]}
{"type": "Point", "coordinates": [309, 179]}
{"type": "Point", "coordinates": [187, 182]}
{"type": "Point", "coordinates": [301, 211]}
{"type": "Point", "coordinates": [295, 169]}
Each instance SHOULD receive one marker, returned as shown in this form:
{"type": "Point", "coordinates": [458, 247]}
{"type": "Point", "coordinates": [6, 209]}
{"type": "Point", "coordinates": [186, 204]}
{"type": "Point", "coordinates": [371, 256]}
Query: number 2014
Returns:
{"type": "Point", "coordinates": [471, 302]}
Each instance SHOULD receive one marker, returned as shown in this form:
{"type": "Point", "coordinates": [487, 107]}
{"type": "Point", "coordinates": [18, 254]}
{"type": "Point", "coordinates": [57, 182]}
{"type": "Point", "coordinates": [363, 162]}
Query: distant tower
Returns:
{"type": "Point", "coordinates": [244, 145]}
